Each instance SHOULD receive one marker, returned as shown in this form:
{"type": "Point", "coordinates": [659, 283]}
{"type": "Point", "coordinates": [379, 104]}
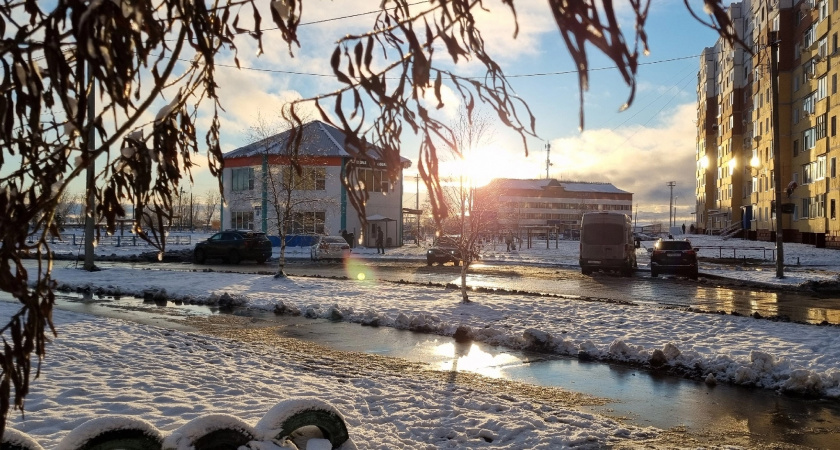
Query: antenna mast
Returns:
{"type": "Point", "coordinates": [547, 159]}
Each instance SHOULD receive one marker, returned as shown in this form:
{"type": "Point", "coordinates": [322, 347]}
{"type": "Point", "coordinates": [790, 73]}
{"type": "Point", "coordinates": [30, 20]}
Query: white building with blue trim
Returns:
{"type": "Point", "coordinates": [252, 176]}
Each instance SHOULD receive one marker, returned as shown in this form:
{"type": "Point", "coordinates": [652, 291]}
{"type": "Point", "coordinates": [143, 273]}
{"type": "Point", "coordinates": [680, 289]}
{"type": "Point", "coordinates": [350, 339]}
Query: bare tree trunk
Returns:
{"type": "Point", "coordinates": [464, 267]}
{"type": "Point", "coordinates": [281, 261]}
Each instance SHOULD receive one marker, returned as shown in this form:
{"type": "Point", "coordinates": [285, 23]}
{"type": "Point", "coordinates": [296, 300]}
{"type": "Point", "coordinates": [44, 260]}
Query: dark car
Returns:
{"type": "Point", "coordinates": [232, 246]}
{"type": "Point", "coordinates": [673, 256]}
{"type": "Point", "coordinates": [445, 250]}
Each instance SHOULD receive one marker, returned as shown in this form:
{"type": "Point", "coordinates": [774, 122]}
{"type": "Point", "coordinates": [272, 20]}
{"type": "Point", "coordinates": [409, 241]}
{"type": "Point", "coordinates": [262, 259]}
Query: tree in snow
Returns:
{"type": "Point", "coordinates": [291, 186]}
{"type": "Point", "coordinates": [472, 212]}
{"type": "Point", "coordinates": [80, 81]}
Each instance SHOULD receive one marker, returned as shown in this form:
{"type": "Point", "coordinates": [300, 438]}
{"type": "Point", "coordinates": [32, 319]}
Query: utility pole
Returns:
{"type": "Point", "coordinates": [671, 184]}
{"type": "Point", "coordinates": [547, 159]}
{"type": "Point", "coordinates": [777, 157]}
{"type": "Point", "coordinates": [90, 184]}
{"type": "Point", "coordinates": [417, 210]}
{"type": "Point", "coordinates": [191, 210]}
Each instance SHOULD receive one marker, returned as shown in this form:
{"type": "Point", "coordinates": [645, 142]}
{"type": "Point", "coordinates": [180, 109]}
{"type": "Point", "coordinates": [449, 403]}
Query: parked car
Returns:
{"type": "Point", "coordinates": [232, 246]}
{"type": "Point", "coordinates": [444, 251]}
{"type": "Point", "coordinates": [329, 247]}
{"type": "Point", "coordinates": [675, 256]}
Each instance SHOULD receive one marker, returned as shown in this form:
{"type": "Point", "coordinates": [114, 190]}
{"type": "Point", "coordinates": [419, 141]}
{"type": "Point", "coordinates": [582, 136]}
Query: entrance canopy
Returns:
{"type": "Point", "coordinates": [380, 218]}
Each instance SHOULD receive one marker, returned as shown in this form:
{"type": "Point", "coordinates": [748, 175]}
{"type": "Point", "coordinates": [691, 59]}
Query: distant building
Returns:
{"type": "Point", "coordinates": [321, 201]}
{"type": "Point", "coordinates": [551, 203]}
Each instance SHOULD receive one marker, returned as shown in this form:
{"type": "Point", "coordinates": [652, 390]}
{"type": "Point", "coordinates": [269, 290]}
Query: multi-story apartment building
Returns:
{"type": "Point", "coordinates": [741, 125]}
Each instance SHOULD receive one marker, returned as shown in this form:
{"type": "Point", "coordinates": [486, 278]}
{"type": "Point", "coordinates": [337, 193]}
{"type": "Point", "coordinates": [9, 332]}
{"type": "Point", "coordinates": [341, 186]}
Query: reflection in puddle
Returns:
{"type": "Point", "coordinates": [471, 357]}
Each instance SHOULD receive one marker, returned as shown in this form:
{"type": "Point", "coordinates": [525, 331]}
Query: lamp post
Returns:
{"type": "Point", "coordinates": [777, 157]}
{"type": "Point", "coordinates": [671, 184]}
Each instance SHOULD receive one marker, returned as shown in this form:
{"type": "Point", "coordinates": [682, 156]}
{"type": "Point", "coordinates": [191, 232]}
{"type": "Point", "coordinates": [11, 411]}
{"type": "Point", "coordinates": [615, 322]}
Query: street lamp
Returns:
{"type": "Point", "coordinates": [671, 184]}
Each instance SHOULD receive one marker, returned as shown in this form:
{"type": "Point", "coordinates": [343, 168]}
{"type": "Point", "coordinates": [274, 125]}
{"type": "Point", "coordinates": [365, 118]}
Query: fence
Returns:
{"type": "Point", "coordinates": [119, 241]}
{"type": "Point", "coordinates": [744, 251]}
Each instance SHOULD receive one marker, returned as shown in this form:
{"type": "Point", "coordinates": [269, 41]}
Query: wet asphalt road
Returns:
{"type": "Point", "coordinates": [706, 294]}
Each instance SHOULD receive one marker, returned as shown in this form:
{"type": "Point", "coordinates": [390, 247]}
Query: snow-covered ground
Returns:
{"type": "Point", "coordinates": [98, 366]}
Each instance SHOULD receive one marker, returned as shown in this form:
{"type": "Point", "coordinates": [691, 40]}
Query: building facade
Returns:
{"type": "Point", "coordinates": [742, 123]}
{"type": "Point", "coordinates": [549, 203]}
{"type": "Point", "coordinates": [258, 182]}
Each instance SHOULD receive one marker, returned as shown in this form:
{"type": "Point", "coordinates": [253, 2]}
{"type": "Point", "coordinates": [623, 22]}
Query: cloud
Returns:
{"type": "Point", "coordinates": [637, 159]}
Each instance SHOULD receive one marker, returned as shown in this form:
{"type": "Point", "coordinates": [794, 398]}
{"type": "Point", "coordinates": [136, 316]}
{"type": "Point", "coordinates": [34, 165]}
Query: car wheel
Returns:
{"type": "Point", "coordinates": [654, 273]}
{"type": "Point", "coordinates": [261, 260]}
{"type": "Point", "coordinates": [199, 256]}
{"type": "Point", "coordinates": [586, 271]}
{"type": "Point", "coordinates": [693, 275]}
{"type": "Point", "coordinates": [233, 257]}
{"type": "Point", "coordinates": [429, 262]}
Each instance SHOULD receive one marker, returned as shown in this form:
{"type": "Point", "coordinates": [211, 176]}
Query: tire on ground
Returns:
{"type": "Point", "coordinates": [114, 433]}
{"type": "Point", "coordinates": [214, 432]}
{"type": "Point", "coordinates": [290, 415]}
{"type": "Point", "coordinates": [18, 440]}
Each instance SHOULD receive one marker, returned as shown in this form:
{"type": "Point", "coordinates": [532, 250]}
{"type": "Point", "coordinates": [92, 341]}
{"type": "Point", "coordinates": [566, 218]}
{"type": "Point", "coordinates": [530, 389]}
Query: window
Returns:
{"type": "Point", "coordinates": [821, 205]}
{"type": "Point", "coordinates": [806, 207]}
{"type": "Point", "coordinates": [242, 220]}
{"type": "Point", "coordinates": [833, 168]}
{"type": "Point", "coordinates": [820, 170]}
{"type": "Point", "coordinates": [795, 147]}
{"type": "Point", "coordinates": [307, 222]}
{"type": "Point", "coordinates": [809, 102]}
{"type": "Point", "coordinates": [833, 209]}
{"type": "Point", "coordinates": [834, 79]}
{"type": "Point", "coordinates": [242, 179]}
{"type": "Point", "coordinates": [310, 179]}
{"type": "Point", "coordinates": [809, 35]}
{"type": "Point", "coordinates": [809, 139]}
{"type": "Point", "coordinates": [374, 180]}
{"type": "Point", "coordinates": [822, 88]}
{"type": "Point", "coordinates": [833, 126]}
{"type": "Point", "coordinates": [821, 126]}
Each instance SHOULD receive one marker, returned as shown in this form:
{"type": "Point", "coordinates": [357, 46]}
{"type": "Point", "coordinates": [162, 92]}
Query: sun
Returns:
{"type": "Point", "coordinates": [485, 164]}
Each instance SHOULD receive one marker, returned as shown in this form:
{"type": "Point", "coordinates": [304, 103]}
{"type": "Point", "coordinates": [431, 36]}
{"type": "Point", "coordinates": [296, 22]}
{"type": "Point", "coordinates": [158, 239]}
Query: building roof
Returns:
{"type": "Point", "coordinates": [592, 187]}
{"type": "Point", "coordinates": [319, 139]}
{"type": "Point", "coordinates": [569, 186]}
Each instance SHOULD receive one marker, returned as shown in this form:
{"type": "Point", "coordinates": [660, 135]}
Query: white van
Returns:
{"type": "Point", "coordinates": [606, 243]}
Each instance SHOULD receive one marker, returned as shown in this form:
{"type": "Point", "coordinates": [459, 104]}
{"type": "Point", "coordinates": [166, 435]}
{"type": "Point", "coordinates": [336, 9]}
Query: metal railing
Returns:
{"type": "Point", "coordinates": [119, 241]}
{"type": "Point", "coordinates": [744, 251]}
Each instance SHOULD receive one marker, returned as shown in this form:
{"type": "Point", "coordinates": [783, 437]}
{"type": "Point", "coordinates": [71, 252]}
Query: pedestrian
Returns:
{"type": "Point", "coordinates": [508, 240]}
{"type": "Point", "coordinates": [683, 228]}
{"type": "Point", "coordinates": [380, 245]}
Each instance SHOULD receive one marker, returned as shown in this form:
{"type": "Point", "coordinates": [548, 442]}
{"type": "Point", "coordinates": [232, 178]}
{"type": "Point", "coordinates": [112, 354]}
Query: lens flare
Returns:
{"type": "Point", "coordinates": [356, 269]}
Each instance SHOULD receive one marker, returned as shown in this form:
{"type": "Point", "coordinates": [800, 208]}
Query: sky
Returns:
{"type": "Point", "coordinates": [98, 367]}
{"type": "Point", "coordinates": [639, 150]}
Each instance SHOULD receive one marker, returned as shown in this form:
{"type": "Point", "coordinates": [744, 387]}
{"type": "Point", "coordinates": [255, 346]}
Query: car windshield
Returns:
{"type": "Point", "coordinates": [334, 240]}
{"type": "Point", "coordinates": [674, 245]}
{"type": "Point", "coordinates": [603, 234]}
{"type": "Point", "coordinates": [447, 242]}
